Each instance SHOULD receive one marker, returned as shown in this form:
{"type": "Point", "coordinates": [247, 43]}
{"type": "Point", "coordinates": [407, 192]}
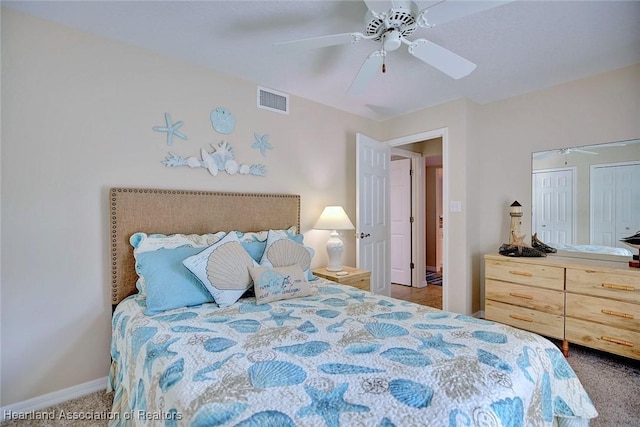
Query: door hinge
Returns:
{"type": "Point", "coordinates": [410, 172]}
{"type": "Point", "coordinates": [411, 219]}
{"type": "Point", "coordinates": [412, 266]}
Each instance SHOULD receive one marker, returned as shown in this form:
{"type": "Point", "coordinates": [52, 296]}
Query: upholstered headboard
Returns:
{"type": "Point", "coordinates": [150, 211]}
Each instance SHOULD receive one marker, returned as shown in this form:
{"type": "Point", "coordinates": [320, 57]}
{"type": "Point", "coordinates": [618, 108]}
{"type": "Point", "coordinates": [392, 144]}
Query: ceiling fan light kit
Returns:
{"type": "Point", "coordinates": [390, 22]}
{"type": "Point", "coordinates": [392, 40]}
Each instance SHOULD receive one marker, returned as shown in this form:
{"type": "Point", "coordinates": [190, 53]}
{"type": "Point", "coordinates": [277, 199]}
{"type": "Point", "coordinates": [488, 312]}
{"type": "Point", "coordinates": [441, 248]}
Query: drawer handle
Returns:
{"type": "Point", "coordinates": [618, 314]}
{"type": "Point", "coordinates": [520, 273]}
{"type": "Point", "coordinates": [618, 287]}
{"type": "Point", "coordinates": [513, 294]}
{"type": "Point", "coordinates": [617, 341]}
{"type": "Point", "coordinates": [524, 319]}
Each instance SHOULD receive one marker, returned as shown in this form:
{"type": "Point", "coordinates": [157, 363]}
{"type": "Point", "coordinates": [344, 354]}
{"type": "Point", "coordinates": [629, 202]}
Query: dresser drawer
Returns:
{"type": "Point", "coordinates": [527, 274]}
{"type": "Point", "coordinates": [614, 313]}
{"type": "Point", "coordinates": [621, 286]}
{"type": "Point", "coordinates": [606, 338]}
{"type": "Point", "coordinates": [549, 301]}
{"type": "Point", "coordinates": [546, 324]}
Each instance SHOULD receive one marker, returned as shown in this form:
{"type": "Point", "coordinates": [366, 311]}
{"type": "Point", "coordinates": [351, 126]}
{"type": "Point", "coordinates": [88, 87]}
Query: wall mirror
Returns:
{"type": "Point", "coordinates": [586, 198]}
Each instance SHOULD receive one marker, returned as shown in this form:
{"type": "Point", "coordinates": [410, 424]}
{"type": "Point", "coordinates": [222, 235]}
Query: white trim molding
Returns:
{"type": "Point", "coordinates": [448, 255]}
{"type": "Point", "coordinates": [51, 399]}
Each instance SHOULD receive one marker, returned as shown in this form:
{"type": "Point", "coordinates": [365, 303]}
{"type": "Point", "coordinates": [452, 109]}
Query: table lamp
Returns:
{"type": "Point", "coordinates": [334, 218]}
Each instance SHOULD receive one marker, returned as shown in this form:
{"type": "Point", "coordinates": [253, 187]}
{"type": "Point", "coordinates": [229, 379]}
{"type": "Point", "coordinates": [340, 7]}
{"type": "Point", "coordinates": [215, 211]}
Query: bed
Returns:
{"type": "Point", "coordinates": [594, 249]}
{"type": "Point", "coordinates": [313, 353]}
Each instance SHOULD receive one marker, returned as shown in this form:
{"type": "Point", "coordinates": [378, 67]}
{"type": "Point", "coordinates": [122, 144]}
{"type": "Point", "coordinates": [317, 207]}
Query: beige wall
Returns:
{"type": "Point", "coordinates": [503, 135]}
{"type": "Point", "coordinates": [78, 113]}
{"type": "Point", "coordinates": [77, 117]}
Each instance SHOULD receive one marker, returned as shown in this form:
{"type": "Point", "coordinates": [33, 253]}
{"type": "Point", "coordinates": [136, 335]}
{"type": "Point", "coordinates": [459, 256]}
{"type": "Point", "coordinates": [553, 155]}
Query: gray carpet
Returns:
{"type": "Point", "coordinates": [612, 382]}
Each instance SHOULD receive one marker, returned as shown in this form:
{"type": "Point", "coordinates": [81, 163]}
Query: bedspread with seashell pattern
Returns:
{"type": "Point", "coordinates": [341, 357]}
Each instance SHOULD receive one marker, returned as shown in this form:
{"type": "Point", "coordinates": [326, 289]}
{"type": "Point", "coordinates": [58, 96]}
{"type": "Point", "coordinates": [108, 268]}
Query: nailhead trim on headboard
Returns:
{"type": "Point", "coordinates": [167, 211]}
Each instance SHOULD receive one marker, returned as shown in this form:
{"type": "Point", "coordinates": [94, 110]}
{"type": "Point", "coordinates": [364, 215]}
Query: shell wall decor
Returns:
{"type": "Point", "coordinates": [221, 159]}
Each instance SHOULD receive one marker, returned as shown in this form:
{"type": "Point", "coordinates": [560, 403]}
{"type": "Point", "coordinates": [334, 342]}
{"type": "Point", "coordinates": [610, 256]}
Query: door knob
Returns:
{"type": "Point", "coordinates": [362, 235]}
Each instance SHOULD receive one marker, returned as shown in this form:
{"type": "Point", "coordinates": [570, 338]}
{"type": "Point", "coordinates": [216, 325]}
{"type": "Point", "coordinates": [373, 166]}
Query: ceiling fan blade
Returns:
{"type": "Point", "coordinates": [441, 58]}
{"type": "Point", "coordinates": [371, 66]}
{"type": "Point", "coordinates": [579, 150]}
{"type": "Point", "coordinates": [446, 11]}
{"type": "Point", "coordinates": [322, 41]}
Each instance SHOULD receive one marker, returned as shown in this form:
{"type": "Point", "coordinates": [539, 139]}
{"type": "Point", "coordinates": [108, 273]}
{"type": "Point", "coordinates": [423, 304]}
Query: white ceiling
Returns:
{"type": "Point", "coordinates": [518, 47]}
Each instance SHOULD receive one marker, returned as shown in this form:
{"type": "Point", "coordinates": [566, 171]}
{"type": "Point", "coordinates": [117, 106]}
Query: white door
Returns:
{"type": "Point", "coordinates": [400, 196]}
{"type": "Point", "coordinates": [615, 203]}
{"type": "Point", "coordinates": [440, 224]}
{"type": "Point", "coordinates": [627, 202]}
{"type": "Point", "coordinates": [372, 213]}
{"type": "Point", "coordinates": [603, 206]}
{"type": "Point", "coordinates": [553, 214]}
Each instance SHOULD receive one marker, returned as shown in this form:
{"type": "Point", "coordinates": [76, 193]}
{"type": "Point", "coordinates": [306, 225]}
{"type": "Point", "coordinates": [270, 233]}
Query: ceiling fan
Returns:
{"type": "Point", "coordinates": [582, 150]}
{"type": "Point", "coordinates": [561, 151]}
{"type": "Point", "coordinates": [389, 22]}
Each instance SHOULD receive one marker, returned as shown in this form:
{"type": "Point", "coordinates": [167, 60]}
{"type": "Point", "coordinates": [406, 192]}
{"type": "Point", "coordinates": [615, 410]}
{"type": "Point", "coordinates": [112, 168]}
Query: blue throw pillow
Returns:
{"type": "Point", "coordinates": [169, 284]}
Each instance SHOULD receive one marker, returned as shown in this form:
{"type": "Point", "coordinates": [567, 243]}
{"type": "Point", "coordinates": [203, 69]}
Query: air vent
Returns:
{"type": "Point", "coordinates": [269, 99]}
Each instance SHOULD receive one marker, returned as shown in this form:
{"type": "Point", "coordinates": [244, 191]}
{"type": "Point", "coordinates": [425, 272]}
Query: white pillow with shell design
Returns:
{"type": "Point", "coordinates": [223, 268]}
{"type": "Point", "coordinates": [281, 251]}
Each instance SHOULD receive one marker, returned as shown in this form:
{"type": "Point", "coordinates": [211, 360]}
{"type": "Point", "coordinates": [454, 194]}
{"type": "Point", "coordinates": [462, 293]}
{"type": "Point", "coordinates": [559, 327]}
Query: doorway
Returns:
{"type": "Point", "coordinates": [426, 213]}
{"type": "Point", "coordinates": [372, 168]}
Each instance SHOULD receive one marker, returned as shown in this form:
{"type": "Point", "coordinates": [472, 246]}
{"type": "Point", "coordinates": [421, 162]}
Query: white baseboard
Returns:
{"type": "Point", "coordinates": [54, 398]}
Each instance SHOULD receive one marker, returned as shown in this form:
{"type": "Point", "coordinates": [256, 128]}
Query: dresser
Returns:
{"type": "Point", "coordinates": [357, 278]}
{"type": "Point", "coordinates": [588, 302]}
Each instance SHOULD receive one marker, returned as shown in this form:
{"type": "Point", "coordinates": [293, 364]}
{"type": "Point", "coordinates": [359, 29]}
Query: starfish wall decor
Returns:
{"type": "Point", "coordinates": [171, 129]}
{"type": "Point", "coordinates": [262, 143]}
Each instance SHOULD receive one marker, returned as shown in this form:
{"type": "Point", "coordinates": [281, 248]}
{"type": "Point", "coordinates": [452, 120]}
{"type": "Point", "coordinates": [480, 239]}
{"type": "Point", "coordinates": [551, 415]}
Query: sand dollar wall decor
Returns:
{"type": "Point", "coordinates": [222, 120]}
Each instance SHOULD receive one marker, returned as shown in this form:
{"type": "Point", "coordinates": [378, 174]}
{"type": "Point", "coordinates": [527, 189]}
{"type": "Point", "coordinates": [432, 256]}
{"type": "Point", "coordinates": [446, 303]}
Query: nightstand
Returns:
{"type": "Point", "coordinates": [357, 278]}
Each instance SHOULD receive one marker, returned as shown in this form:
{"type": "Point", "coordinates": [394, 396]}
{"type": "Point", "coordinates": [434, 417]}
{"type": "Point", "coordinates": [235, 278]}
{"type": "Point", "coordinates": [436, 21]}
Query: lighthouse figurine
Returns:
{"type": "Point", "coordinates": [515, 211]}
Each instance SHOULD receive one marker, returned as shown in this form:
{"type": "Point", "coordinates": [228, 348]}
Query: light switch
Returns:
{"type": "Point", "coordinates": [455, 206]}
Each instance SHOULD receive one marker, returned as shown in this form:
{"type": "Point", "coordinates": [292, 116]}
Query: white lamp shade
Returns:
{"type": "Point", "coordinates": [334, 218]}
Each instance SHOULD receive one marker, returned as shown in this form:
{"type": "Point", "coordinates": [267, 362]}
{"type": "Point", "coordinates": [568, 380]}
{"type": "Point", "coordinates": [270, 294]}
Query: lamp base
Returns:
{"type": "Point", "coordinates": [335, 247]}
